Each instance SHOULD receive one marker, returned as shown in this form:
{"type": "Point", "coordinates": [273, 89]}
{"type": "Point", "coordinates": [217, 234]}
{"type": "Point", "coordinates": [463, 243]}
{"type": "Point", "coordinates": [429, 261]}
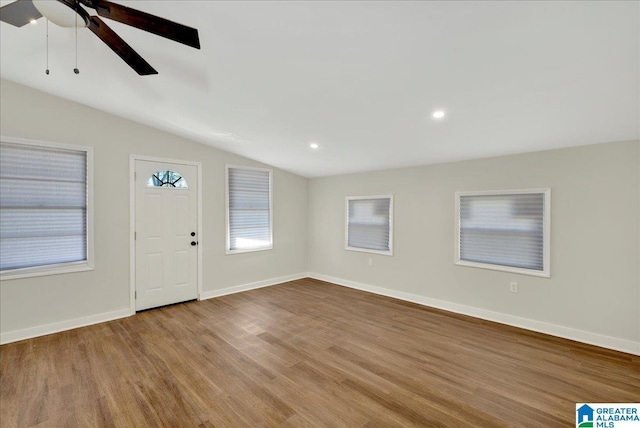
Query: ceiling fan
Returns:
{"type": "Point", "coordinates": [71, 13]}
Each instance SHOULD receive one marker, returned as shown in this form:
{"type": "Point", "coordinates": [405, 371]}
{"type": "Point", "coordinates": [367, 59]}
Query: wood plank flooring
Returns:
{"type": "Point", "coordinates": [305, 354]}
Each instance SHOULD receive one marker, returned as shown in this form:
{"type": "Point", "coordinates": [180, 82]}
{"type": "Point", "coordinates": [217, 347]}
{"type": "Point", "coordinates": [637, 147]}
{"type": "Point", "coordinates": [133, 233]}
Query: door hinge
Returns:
{"type": "Point", "coordinates": [135, 294]}
{"type": "Point", "coordinates": [135, 235]}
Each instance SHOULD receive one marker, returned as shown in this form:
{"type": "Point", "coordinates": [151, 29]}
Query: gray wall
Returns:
{"type": "Point", "coordinates": [594, 284]}
{"type": "Point", "coordinates": [31, 302]}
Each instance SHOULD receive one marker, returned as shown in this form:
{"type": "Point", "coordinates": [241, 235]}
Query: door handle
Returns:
{"type": "Point", "coordinates": [194, 243]}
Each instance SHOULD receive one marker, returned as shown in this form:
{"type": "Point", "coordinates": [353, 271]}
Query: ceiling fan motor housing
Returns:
{"type": "Point", "coordinates": [64, 13]}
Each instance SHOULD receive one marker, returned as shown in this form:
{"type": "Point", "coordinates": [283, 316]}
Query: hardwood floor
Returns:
{"type": "Point", "coordinates": [306, 354]}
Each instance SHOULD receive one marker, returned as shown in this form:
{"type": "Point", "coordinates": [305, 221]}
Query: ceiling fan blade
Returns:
{"type": "Point", "coordinates": [19, 13]}
{"type": "Point", "coordinates": [147, 22]}
{"type": "Point", "coordinates": [120, 47]}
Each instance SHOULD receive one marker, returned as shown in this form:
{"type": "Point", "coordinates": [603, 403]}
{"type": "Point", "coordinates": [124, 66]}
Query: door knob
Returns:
{"type": "Point", "coordinates": [194, 243]}
{"type": "Point", "coordinates": [193, 234]}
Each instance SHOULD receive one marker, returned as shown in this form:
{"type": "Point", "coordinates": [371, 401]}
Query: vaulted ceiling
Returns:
{"type": "Point", "coordinates": [361, 79]}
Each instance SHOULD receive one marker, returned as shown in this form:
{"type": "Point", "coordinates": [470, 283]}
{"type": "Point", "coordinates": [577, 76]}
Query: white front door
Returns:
{"type": "Point", "coordinates": [166, 235]}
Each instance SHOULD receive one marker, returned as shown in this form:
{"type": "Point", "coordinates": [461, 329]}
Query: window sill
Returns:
{"type": "Point", "coordinates": [522, 271]}
{"type": "Point", "coordinates": [253, 250]}
{"type": "Point", "coordinates": [366, 250]}
{"type": "Point", "coordinates": [46, 270]}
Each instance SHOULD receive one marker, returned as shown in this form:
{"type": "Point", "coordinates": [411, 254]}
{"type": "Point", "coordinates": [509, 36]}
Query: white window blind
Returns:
{"type": "Point", "coordinates": [369, 225]}
{"type": "Point", "coordinates": [249, 209]}
{"type": "Point", "coordinates": [43, 206]}
{"type": "Point", "coordinates": [504, 229]}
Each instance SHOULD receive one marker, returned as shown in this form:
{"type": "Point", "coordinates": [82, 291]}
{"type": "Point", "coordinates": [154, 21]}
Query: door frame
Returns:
{"type": "Point", "coordinates": [132, 221]}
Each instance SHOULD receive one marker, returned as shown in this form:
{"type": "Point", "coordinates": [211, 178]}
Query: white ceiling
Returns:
{"type": "Point", "coordinates": [360, 78]}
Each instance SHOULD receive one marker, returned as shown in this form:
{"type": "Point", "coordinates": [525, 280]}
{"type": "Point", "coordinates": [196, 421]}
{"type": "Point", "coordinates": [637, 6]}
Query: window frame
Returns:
{"type": "Point", "coordinates": [346, 225]}
{"type": "Point", "coordinates": [68, 267]}
{"type": "Point", "coordinates": [546, 232]}
{"type": "Point", "coordinates": [173, 187]}
{"type": "Point", "coordinates": [228, 250]}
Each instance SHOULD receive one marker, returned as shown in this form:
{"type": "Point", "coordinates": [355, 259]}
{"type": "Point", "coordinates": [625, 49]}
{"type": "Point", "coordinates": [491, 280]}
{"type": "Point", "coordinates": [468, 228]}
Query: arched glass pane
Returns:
{"type": "Point", "coordinates": [167, 179]}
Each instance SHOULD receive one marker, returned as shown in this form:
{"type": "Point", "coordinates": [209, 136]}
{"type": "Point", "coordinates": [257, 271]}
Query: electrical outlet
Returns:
{"type": "Point", "coordinates": [370, 261]}
{"type": "Point", "coordinates": [514, 287]}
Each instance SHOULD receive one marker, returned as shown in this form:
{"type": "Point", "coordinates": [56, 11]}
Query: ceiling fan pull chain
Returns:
{"type": "Point", "coordinates": [75, 70]}
{"type": "Point", "coordinates": [47, 69]}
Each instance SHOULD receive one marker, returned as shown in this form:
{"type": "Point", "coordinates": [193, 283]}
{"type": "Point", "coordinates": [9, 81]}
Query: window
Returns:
{"type": "Point", "coordinates": [45, 209]}
{"type": "Point", "coordinates": [504, 230]}
{"type": "Point", "coordinates": [369, 224]}
{"type": "Point", "coordinates": [167, 179]}
{"type": "Point", "coordinates": [249, 216]}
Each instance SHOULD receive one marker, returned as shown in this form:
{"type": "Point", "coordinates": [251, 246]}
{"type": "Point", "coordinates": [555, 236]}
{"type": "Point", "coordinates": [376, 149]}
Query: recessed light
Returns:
{"type": "Point", "coordinates": [438, 114]}
{"type": "Point", "coordinates": [314, 146]}
{"type": "Point", "coordinates": [33, 22]}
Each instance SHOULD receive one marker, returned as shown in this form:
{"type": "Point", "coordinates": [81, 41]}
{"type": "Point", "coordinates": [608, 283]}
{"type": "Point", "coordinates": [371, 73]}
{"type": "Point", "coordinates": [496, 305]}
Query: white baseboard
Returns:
{"type": "Point", "coordinates": [43, 330]}
{"type": "Point", "coordinates": [596, 339]}
{"type": "Point", "coordinates": [251, 286]}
